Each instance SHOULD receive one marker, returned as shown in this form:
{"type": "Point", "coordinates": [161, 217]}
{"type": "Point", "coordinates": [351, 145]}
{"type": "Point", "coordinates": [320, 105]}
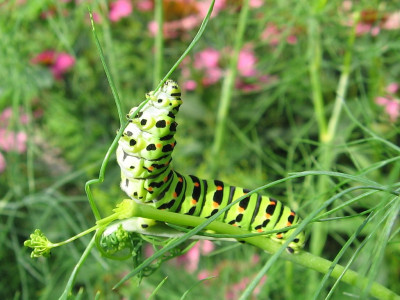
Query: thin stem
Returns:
{"type": "Point", "coordinates": [315, 56]}
{"type": "Point", "coordinates": [159, 45]}
{"type": "Point", "coordinates": [107, 71]}
{"type": "Point", "coordinates": [70, 284]}
{"type": "Point", "coordinates": [227, 89]}
{"type": "Point", "coordinates": [343, 83]}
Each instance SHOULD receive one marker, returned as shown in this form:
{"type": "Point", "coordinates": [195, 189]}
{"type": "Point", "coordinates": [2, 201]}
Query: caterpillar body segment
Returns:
{"type": "Point", "coordinates": [144, 155]}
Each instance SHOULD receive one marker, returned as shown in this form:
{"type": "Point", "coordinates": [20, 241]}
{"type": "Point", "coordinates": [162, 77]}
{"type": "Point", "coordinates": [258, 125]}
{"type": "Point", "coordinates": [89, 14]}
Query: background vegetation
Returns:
{"type": "Point", "coordinates": [316, 87]}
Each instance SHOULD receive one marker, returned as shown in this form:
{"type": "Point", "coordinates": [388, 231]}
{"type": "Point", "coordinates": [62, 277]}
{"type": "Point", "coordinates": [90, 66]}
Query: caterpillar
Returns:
{"type": "Point", "coordinates": [144, 156]}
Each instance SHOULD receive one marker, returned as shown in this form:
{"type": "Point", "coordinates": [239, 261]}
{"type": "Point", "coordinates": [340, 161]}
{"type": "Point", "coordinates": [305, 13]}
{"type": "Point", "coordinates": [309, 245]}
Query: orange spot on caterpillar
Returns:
{"type": "Point", "coordinates": [292, 213]}
{"type": "Point", "coordinates": [219, 188]}
{"type": "Point", "coordinates": [240, 209]}
{"type": "Point", "coordinates": [174, 194]}
{"type": "Point", "coordinates": [215, 204]}
{"type": "Point", "coordinates": [151, 168]}
{"type": "Point", "coordinates": [158, 145]}
{"type": "Point", "coordinates": [168, 122]}
{"type": "Point", "coordinates": [272, 203]}
{"type": "Point", "coordinates": [165, 179]}
{"type": "Point", "coordinates": [149, 188]}
{"type": "Point", "coordinates": [193, 201]}
{"type": "Point", "coordinates": [259, 230]}
{"type": "Point", "coordinates": [180, 179]}
{"type": "Point", "coordinates": [279, 235]}
{"type": "Point", "coordinates": [196, 184]}
{"type": "Point", "coordinates": [288, 224]}
{"type": "Point", "coordinates": [267, 216]}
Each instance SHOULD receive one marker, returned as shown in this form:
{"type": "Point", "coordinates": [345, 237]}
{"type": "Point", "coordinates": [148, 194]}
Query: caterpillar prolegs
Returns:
{"type": "Point", "coordinates": [144, 155]}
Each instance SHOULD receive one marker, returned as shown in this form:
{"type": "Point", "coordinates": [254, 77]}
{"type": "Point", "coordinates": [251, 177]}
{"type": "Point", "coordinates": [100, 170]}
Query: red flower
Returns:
{"type": "Point", "coordinates": [59, 63]}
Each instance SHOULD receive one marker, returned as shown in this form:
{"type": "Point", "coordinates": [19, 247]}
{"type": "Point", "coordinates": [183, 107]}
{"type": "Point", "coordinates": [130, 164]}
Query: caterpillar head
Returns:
{"type": "Point", "coordinates": [169, 97]}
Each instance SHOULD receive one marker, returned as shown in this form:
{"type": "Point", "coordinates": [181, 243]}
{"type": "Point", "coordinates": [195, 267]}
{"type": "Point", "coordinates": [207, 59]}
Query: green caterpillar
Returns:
{"type": "Point", "coordinates": [144, 155]}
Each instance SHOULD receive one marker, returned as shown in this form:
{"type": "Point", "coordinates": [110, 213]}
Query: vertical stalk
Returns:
{"type": "Point", "coordinates": [327, 130]}
{"type": "Point", "coordinates": [227, 88]}
{"type": "Point", "coordinates": [159, 45]}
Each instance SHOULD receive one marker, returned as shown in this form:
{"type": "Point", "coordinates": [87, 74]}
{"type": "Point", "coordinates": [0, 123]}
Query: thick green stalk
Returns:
{"type": "Point", "coordinates": [227, 89]}
{"type": "Point", "coordinates": [305, 259]}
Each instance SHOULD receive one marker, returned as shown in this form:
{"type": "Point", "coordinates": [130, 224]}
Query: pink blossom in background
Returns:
{"type": "Point", "coordinates": [96, 18]}
{"type": "Point", "coordinates": [392, 88]}
{"type": "Point", "coordinates": [45, 58]}
{"type": "Point", "coordinates": [212, 76]}
{"type": "Point", "coordinates": [144, 5]}
{"type": "Point", "coordinates": [12, 141]}
{"type": "Point", "coordinates": [390, 103]}
{"type": "Point", "coordinates": [274, 35]}
{"type": "Point", "coordinates": [189, 85]}
{"type": "Point", "coordinates": [271, 34]}
{"type": "Point", "coordinates": [58, 62]}
{"type": "Point", "coordinates": [392, 107]}
{"type": "Point", "coordinates": [347, 5]}
{"type": "Point", "coordinates": [62, 64]}
{"type": "Point", "coordinates": [291, 39]}
{"type": "Point", "coordinates": [190, 260]}
{"type": "Point", "coordinates": [207, 58]}
{"type": "Point", "coordinates": [203, 274]}
{"type": "Point", "coordinates": [6, 115]}
{"type": "Point", "coordinates": [234, 290]}
{"type": "Point", "coordinates": [392, 22]}
{"type": "Point", "coordinates": [256, 3]}
{"type": "Point", "coordinates": [120, 9]}
{"type": "Point", "coordinates": [2, 163]}
{"type": "Point", "coordinates": [247, 62]}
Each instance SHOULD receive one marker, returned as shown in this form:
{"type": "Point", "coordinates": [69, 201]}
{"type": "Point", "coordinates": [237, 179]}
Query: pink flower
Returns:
{"type": "Point", "coordinates": [256, 3]}
{"type": "Point", "coordinates": [392, 22]}
{"type": "Point", "coordinates": [6, 115]}
{"type": "Point", "coordinates": [392, 107]}
{"type": "Point", "coordinates": [45, 58]}
{"type": "Point", "coordinates": [2, 163]}
{"type": "Point", "coordinates": [291, 39]}
{"type": "Point", "coordinates": [247, 62]}
{"type": "Point", "coordinates": [190, 85]}
{"type": "Point", "coordinates": [392, 88]}
{"type": "Point", "coordinates": [11, 141]}
{"type": "Point", "coordinates": [59, 63]}
{"type": "Point", "coordinates": [190, 260]}
{"type": "Point", "coordinates": [62, 64]}
{"type": "Point", "coordinates": [145, 5]}
{"type": "Point", "coordinates": [206, 59]}
{"type": "Point", "coordinates": [271, 34]}
{"type": "Point", "coordinates": [120, 9]}
{"type": "Point", "coordinates": [212, 76]}
{"type": "Point", "coordinates": [203, 274]}
{"type": "Point", "coordinates": [234, 290]}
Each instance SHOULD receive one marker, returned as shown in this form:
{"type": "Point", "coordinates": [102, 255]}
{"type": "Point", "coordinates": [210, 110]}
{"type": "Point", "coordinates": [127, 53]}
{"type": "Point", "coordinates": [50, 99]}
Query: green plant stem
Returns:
{"type": "Point", "coordinates": [327, 133]}
{"type": "Point", "coordinates": [70, 284]}
{"type": "Point", "coordinates": [227, 89]}
{"type": "Point", "coordinates": [305, 259]}
{"type": "Point", "coordinates": [158, 42]}
{"type": "Point", "coordinates": [108, 74]}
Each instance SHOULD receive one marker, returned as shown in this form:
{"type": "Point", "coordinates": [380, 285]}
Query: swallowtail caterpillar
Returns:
{"type": "Point", "coordinates": [144, 155]}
